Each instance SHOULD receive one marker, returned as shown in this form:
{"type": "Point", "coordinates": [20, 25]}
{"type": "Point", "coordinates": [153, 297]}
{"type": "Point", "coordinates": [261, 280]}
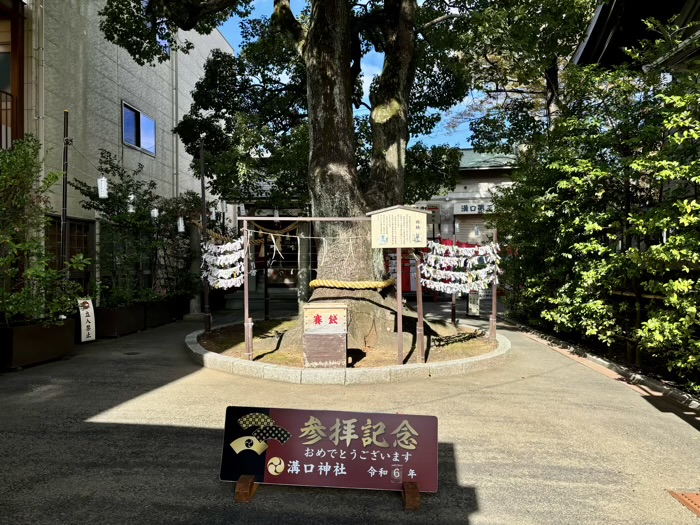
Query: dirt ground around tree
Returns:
{"type": "Point", "coordinates": [268, 335]}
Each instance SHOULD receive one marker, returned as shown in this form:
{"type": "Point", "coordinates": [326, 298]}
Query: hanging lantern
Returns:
{"type": "Point", "coordinates": [130, 207]}
{"type": "Point", "coordinates": [212, 215]}
{"type": "Point", "coordinates": [180, 225]}
{"type": "Point", "coordinates": [102, 188]}
{"type": "Point", "coordinates": [154, 213]}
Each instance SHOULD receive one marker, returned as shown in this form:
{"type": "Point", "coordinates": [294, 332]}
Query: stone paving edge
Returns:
{"type": "Point", "coordinates": [347, 376]}
{"type": "Point", "coordinates": [634, 378]}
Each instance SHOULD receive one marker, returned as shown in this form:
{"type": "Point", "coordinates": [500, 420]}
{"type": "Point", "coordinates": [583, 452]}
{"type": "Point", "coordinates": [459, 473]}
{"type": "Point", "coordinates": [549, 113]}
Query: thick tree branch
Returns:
{"type": "Point", "coordinates": [289, 25]}
{"type": "Point", "coordinates": [440, 19]}
{"type": "Point", "coordinates": [188, 13]}
{"type": "Point", "coordinates": [517, 91]}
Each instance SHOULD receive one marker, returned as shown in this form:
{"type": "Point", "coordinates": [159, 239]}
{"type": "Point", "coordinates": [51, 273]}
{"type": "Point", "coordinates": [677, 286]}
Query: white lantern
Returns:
{"type": "Point", "coordinates": [180, 225]}
{"type": "Point", "coordinates": [212, 215]}
{"type": "Point", "coordinates": [130, 207]}
{"type": "Point", "coordinates": [154, 213]}
{"type": "Point", "coordinates": [102, 188]}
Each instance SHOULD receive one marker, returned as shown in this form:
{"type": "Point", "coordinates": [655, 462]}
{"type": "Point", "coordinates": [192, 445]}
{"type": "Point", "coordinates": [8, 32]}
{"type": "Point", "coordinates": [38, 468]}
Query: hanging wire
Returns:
{"type": "Point", "coordinates": [308, 237]}
{"type": "Point", "coordinates": [86, 159]}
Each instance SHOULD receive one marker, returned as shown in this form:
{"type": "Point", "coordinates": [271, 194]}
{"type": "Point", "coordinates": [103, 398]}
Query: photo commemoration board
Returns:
{"type": "Point", "coordinates": [322, 448]}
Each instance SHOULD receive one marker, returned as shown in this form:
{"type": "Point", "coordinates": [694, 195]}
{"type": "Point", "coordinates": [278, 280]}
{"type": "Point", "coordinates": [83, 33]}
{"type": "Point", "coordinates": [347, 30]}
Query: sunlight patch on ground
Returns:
{"type": "Point", "coordinates": [185, 402]}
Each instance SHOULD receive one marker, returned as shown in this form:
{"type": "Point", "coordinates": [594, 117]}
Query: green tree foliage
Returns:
{"type": "Point", "coordinates": [30, 288]}
{"type": "Point", "coordinates": [602, 225]}
{"type": "Point", "coordinates": [141, 257]}
{"type": "Point", "coordinates": [148, 29]}
{"type": "Point", "coordinates": [252, 108]}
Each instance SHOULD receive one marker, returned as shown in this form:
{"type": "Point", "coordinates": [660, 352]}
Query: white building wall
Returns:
{"type": "Point", "coordinates": [90, 77]}
{"type": "Point", "coordinates": [472, 189]}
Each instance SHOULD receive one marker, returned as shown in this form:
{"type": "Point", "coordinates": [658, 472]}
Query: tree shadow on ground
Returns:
{"type": "Point", "coordinates": [664, 404]}
{"type": "Point", "coordinates": [81, 472]}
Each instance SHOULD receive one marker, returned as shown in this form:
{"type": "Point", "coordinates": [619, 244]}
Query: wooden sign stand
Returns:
{"type": "Point", "coordinates": [410, 496]}
{"type": "Point", "coordinates": [245, 489]}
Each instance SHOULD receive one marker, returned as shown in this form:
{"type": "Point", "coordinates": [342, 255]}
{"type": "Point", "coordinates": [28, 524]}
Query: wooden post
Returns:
{"type": "Point", "coordinates": [248, 322]}
{"type": "Point", "coordinates": [419, 301]}
{"type": "Point", "coordinates": [304, 259]}
{"type": "Point", "coordinates": [205, 235]}
{"type": "Point", "coordinates": [245, 489]}
{"type": "Point", "coordinates": [399, 306]}
{"type": "Point", "coordinates": [248, 330]}
{"type": "Point", "coordinates": [494, 299]}
{"type": "Point", "coordinates": [266, 292]}
{"type": "Point", "coordinates": [410, 496]}
{"type": "Point", "coordinates": [454, 294]}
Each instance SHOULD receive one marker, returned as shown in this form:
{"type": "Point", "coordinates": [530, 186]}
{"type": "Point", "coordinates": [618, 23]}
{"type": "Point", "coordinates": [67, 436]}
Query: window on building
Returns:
{"type": "Point", "coordinates": [138, 129]}
{"type": "Point", "coordinates": [81, 239]}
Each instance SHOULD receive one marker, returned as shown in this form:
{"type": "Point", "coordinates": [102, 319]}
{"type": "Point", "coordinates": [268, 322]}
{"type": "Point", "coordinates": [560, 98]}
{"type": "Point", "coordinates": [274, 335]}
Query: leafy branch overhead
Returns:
{"type": "Point", "coordinates": [252, 109]}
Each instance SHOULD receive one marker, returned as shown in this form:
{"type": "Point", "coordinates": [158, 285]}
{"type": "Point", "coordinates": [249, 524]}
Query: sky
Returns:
{"type": "Point", "coordinates": [371, 66]}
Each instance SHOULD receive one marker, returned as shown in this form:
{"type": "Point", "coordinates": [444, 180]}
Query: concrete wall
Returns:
{"type": "Point", "coordinates": [78, 70]}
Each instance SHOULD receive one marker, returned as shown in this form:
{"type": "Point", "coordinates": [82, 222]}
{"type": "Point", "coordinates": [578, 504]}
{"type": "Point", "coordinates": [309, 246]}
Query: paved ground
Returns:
{"type": "Point", "coordinates": [130, 431]}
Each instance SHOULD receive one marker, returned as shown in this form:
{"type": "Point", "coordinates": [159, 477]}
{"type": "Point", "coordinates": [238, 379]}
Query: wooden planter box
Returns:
{"type": "Point", "coordinates": [115, 322]}
{"type": "Point", "coordinates": [180, 305]}
{"type": "Point", "coordinates": [31, 344]}
{"type": "Point", "coordinates": [165, 311]}
{"type": "Point", "coordinates": [157, 313]}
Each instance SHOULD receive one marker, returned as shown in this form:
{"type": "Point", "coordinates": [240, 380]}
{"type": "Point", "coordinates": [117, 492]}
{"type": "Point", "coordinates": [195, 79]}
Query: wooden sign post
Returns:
{"type": "Point", "coordinates": [325, 338]}
{"type": "Point", "coordinates": [400, 227]}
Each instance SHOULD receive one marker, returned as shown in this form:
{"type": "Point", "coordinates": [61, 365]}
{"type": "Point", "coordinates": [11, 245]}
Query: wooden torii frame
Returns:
{"type": "Point", "coordinates": [248, 321]}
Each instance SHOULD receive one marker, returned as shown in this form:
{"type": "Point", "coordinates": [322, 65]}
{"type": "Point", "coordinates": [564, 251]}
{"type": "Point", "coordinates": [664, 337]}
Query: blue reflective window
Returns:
{"type": "Point", "coordinates": [138, 130]}
{"type": "Point", "coordinates": [131, 119]}
{"type": "Point", "coordinates": [148, 134]}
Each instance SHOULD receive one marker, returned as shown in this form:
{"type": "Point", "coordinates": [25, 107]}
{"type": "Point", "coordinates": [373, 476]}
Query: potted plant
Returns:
{"type": "Point", "coordinates": [144, 262]}
{"type": "Point", "coordinates": [36, 294]}
{"type": "Point", "coordinates": [174, 283]}
{"type": "Point", "coordinates": [126, 244]}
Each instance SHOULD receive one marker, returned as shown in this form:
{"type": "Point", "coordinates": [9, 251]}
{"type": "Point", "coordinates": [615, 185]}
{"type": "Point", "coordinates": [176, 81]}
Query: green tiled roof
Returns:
{"type": "Point", "coordinates": [472, 160]}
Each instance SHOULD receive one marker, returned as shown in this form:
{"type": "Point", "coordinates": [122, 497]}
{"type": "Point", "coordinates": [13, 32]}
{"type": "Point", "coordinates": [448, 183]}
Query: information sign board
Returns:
{"type": "Point", "coordinates": [322, 448]}
{"type": "Point", "coordinates": [399, 227]}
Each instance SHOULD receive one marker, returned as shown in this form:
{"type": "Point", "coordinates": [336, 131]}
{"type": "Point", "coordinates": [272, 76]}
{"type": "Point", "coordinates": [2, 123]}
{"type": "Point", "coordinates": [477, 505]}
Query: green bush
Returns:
{"type": "Point", "coordinates": [30, 289]}
{"type": "Point", "coordinates": [141, 258]}
{"type": "Point", "coordinates": [602, 224]}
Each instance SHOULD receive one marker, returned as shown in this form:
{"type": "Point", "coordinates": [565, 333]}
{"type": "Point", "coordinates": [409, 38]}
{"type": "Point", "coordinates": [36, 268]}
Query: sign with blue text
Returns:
{"type": "Point", "coordinates": [322, 448]}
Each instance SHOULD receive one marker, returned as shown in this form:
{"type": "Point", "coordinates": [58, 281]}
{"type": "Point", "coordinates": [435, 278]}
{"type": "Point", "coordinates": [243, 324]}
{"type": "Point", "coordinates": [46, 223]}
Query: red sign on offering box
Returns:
{"type": "Point", "coordinates": [322, 448]}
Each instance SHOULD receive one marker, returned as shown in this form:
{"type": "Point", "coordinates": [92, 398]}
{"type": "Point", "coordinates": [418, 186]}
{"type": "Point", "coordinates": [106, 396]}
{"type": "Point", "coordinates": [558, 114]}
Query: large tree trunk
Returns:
{"type": "Point", "coordinates": [345, 253]}
{"type": "Point", "coordinates": [389, 117]}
